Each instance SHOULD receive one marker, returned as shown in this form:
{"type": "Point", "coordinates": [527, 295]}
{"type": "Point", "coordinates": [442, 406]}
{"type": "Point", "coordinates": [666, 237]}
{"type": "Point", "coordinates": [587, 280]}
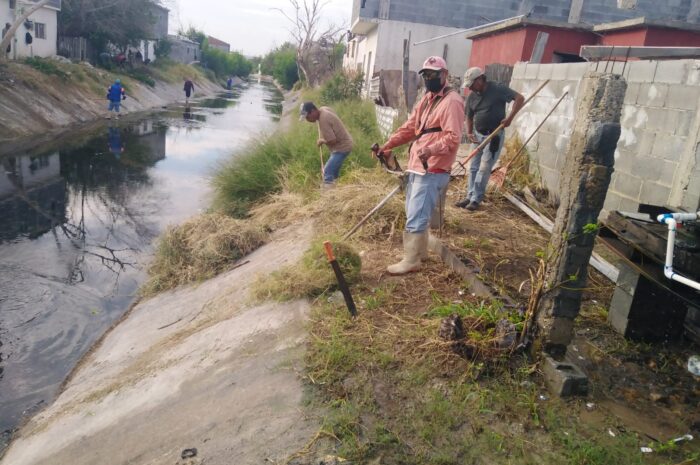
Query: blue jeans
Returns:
{"type": "Point", "coordinates": [422, 195]}
{"type": "Point", "coordinates": [481, 166]}
{"type": "Point", "coordinates": [332, 168]}
{"type": "Point", "coordinates": [114, 106]}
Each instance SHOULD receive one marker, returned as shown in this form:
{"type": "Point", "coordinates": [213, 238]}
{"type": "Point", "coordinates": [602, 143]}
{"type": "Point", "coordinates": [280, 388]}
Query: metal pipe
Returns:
{"type": "Point", "coordinates": [672, 220]}
{"type": "Point", "coordinates": [468, 30]}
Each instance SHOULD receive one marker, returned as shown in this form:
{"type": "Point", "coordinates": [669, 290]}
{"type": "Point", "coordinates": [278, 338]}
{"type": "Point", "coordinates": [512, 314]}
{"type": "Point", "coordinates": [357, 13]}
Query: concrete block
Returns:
{"type": "Point", "coordinates": [627, 185]}
{"type": "Point", "coordinates": [685, 121]}
{"type": "Point", "coordinates": [668, 147]}
{"type": "Point", "coordinates": [645, 143]}
{"type": "Point", "coordinates": [544, 72]}
{"type": "Point", "coordinates": [564, 379]}
{"type": "Point", "coordinates": [612, 201]}
{"type": "Point", "coordinates": [662, 120]}
{"type": "Point", "coordinates": [531, 71]}
{"type": "Point", "coordinates": [652, 95]}
{"type": "Point", "coordinates": [683, 97]}
{"type": "Point", "coordinates": [575, 71]}
{"type": "Point", "coordinates": [671, 71]}
{"type": "Point", "coordinates": [632, 93]}
{"type": "Point", "coordinates": [654, 194]}
{"type": "Point", "coordinates": [640, 71]}
{"type": "Point", "coordinates": [559, 71]}
{"type": "Point", "coordinates": [518, 71]}
{"type": "Point", "coordinates": [628, 205]}
{"type": "Point", "coordinates": [693, 76]}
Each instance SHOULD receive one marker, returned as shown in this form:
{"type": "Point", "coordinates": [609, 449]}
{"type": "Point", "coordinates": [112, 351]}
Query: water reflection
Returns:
{"type": "Point", "coordinates": [77, 222]}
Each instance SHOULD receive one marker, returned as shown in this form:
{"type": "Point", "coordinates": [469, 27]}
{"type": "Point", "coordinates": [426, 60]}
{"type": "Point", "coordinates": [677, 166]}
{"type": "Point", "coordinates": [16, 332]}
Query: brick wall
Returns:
{"type": "Point", "coordinates": [655, 161]}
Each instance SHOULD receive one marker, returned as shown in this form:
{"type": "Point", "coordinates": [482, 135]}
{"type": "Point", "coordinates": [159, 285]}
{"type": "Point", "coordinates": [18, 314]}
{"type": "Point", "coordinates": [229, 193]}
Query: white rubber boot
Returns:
{"type": "Point", "coordinates": [413, 246]}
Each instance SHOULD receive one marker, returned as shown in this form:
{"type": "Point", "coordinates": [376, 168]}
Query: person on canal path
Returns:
{"type": "Point", "coordinates": [332, 133]}
{"type": "Point", "coordinates": [434, 130]}
{"type": "Point", "coordinates": [189, 90]}
{"type": "Point", "coordinates": [486, 111]}
{"type": "Point", "coordinates": [115, 95]}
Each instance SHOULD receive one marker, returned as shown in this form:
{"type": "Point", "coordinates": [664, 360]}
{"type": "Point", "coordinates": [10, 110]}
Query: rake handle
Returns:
{"type": "Point", "coordinates": [498, 129]}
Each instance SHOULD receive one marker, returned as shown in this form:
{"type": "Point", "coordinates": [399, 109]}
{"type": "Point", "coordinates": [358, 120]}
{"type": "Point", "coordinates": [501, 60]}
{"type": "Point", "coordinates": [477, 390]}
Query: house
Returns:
{"type": "Point", "coordinates": [41, 28]}
{"type": "Point", "coordinates": [513, 40]}
{"type": "Point", "coordinates": [158, 30]}
{"type": "Point", "coordinates": [184, 50]}
{"type": "Point", "coordinates": [380, 30]}
{"type": "Point", "coordinates": [644, 31]}
{"type": "Point", "coordinates": [220, 44]}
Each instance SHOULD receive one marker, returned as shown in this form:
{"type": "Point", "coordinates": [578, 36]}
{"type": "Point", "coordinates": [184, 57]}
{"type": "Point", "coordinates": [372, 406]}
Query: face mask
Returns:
{"type": "Point", "coordinates": [434, 84]}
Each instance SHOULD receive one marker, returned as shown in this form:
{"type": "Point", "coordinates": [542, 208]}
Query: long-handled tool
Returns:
{"type": "Point", "coordinates": [320, 152]}
{"type": "Point", "coordinates": [323, 166]}
{"type": "Point", "coordinates": [493, 134]}
{"type": "Point", "coordinates": [342, 284]}
{"type": "Point", "coordinates": [396, 190]}
{"type": "Point", "coordinates": [498, 175]}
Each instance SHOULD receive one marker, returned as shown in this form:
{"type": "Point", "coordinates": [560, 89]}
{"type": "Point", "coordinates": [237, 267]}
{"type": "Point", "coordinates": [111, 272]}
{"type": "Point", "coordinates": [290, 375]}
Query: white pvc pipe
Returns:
{"type": "Point", "coordinates": [672, 220]}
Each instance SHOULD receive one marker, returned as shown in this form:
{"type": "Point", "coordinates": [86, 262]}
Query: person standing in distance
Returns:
{"type": "Point", "coordinates": [331, 132]}
{"type": "Point", "coordinates": [486, 111]}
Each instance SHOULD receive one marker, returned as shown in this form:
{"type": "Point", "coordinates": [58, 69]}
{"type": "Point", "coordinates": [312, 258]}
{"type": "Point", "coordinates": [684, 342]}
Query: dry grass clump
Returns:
{"type": "Point", "coordinates": [337, 210]}
{"type": "Point", "coordinates": [200, 249]}
{"type": "Point", "coordinates": [311, 277]}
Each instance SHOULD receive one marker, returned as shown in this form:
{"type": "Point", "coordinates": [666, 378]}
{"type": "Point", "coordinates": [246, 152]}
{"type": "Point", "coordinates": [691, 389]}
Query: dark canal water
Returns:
{"type": "Point", "coordinates": [78, 222]}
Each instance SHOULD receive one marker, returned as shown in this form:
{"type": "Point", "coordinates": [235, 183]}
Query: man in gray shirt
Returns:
{"type": "Point", "coordinates": [486, 111]}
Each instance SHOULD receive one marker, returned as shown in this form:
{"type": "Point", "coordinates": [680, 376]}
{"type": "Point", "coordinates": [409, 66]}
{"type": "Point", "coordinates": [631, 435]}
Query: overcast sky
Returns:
{"type": "Point", "coordinates": [250, 26]}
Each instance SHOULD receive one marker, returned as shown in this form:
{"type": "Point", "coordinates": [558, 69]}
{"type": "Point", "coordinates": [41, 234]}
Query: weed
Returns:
{"type": "Point", "coordinates": [46, 66]}
{"type": "Point", "coordinates": [290, 160]}
{"type": "Point", "coordinates": [311, 277]}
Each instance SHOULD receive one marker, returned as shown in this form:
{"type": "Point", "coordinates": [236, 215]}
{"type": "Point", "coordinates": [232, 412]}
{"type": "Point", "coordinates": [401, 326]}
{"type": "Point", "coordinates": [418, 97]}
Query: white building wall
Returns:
{"type": "Point", "coordinates": [386, 44]}
{"type": "Point", "coordinates": [40, 47]}
{"type": "Point", "coordinates": [393, 33]}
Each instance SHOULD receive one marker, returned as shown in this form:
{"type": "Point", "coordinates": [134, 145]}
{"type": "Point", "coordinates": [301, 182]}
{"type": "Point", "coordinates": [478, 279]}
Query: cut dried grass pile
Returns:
{"type": "Point", "coordinates": [519, 175]}
{"type": "Point", "coordinates": [311, 277]}
{"type": "Point", "coordinates": [201, 249]}
{"type": "Point", "coordinates": [337, 210]}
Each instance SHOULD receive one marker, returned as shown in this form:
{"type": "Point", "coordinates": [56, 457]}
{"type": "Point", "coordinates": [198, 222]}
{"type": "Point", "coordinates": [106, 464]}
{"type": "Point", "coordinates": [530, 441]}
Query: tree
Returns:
{"type": "Point", "coordinates": [7, 38]}
{"type": "Point", "coordinates": [306, 32]}
{"type": "Point", "coordinates": [281, 63]}
{"type": "Point", "coordinates": [102, 22]}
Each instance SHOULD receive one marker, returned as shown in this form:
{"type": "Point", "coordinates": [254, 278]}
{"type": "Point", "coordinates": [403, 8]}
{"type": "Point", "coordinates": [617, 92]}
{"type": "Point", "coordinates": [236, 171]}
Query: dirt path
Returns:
{"type": "Point", "coordinates": [198, 367]}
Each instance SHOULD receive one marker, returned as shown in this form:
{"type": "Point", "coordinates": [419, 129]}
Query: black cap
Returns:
{"type": "Point", "coordinates": [306, 108]}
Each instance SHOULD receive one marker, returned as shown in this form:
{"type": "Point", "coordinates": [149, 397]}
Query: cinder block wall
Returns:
{"type": "Point", "coordinates": [657, 159]}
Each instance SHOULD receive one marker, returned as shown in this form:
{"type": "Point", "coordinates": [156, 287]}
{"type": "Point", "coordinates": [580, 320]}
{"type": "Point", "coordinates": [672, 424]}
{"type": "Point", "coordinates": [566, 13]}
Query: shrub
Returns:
{"type": "Point", "coordinates": [290, 160]}
{"type": "Point", "coordinates": [344, 85]}
{"type": "Point", "coordinates": [163, 48]}
{"type": "Point", "coordinates": [48, 67]}
{"type": "Point", "coordinates": [311, 277]}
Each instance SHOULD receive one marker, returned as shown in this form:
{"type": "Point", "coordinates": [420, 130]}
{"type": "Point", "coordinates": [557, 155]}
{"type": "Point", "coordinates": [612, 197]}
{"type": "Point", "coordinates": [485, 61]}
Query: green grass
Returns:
{"type": "Point", "coordinates": [290, 160]}
{"type": "Point", "coordinates": [311, 277]}
{"type": "Point", "coordinates": [46, 66]}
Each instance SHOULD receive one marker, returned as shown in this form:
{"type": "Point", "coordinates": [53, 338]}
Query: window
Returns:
{"type": "Point", "coordinates": [13, 4]}
{"type": "Point", "coordinates": [361, 6]}
{"type": "Point", "coordinates": [40, 30]}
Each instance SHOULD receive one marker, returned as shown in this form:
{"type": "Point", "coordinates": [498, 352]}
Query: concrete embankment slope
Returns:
{"type": "Point", "coordinates": [199, 367]}
{"type": "Point", "coordinates": [34, 102]}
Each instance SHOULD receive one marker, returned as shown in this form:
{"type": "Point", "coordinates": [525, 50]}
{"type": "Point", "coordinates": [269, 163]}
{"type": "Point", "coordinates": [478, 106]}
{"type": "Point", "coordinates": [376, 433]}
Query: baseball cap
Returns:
{"type": "Point", "coordinates": [471, 75]}
{"type": "Point", "coordinates": [306, 108]}
{"type": "Point", "coordinates": [434, 63]}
